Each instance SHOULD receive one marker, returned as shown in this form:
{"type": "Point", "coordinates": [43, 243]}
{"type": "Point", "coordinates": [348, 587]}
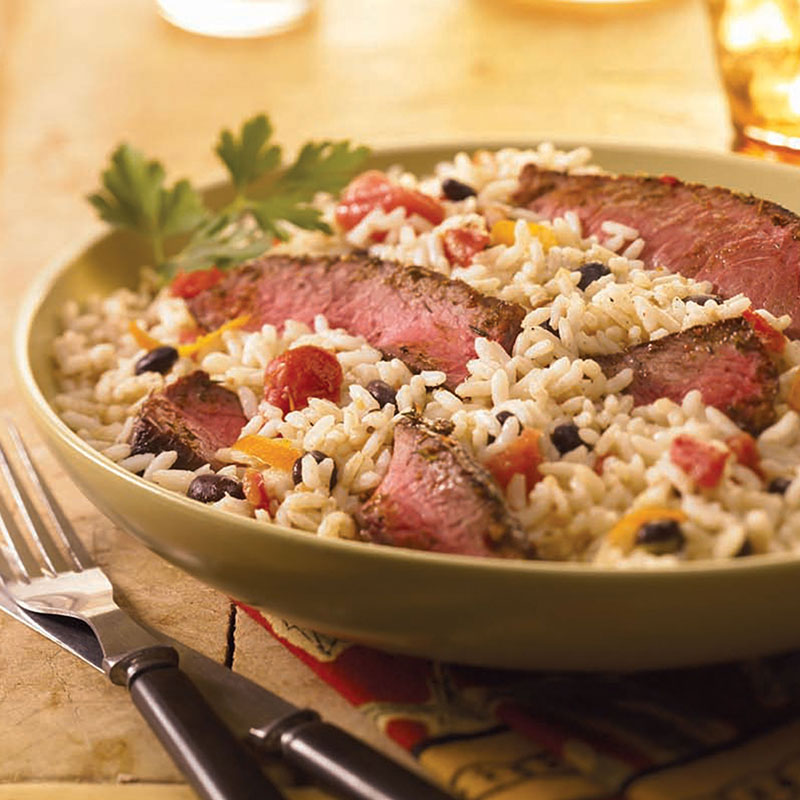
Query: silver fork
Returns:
{"type": "Point", "coordinates": [62, 579]}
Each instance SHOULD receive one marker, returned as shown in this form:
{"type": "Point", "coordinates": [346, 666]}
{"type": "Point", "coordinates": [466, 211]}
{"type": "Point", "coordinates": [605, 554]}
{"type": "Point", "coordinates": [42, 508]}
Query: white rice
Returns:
{"type": "Point", "coordinates": [547, 380]}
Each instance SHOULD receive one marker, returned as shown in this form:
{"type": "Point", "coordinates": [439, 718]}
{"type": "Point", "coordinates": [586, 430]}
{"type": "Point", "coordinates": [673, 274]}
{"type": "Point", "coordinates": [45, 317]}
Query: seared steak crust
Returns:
{"type": "Point", "coordinates": [193, 416]}
{"type": "Point", "coordinates": [726, 361]}
{"type": "Point", "coordinates": [738, 242]}
{"type": "Point", "coordinates": [435, 497]}
{"type": "Point", "coordinates": [411, 313]}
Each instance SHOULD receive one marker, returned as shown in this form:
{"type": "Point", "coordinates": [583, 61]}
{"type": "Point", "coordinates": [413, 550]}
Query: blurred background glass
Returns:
{"type": "Point", "coordinates": [237, 18]}
{"type": "Point", "coordinates": [758, 51]}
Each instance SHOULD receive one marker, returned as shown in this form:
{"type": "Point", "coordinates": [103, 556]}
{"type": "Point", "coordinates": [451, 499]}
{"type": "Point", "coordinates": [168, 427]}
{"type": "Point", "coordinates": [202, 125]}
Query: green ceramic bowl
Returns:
{"type": "Point", "coordinates": [480, 611]}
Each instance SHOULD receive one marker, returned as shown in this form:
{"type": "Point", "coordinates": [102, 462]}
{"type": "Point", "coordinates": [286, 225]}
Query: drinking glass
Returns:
{"type": "Point", "coordinates": [758, 51]}
{"type": "Point", "coordinates": [235, 18]}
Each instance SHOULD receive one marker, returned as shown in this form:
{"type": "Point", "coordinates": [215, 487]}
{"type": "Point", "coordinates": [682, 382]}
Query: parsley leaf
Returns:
{"type": "Point", "coordinates": [278, 208]}
{"type": "Point", "coordinates": [223, 241]}
{"type": "Point", "coordinates": [322, 167]}
{"type": "Point", "coordinates": [135, 198]}
{"type": "Point", "coordinates": [248, 157]}
{"type": "Point", "coordinates": [318, 167]}
{"type": "Point", "coordinates": [181, 209]}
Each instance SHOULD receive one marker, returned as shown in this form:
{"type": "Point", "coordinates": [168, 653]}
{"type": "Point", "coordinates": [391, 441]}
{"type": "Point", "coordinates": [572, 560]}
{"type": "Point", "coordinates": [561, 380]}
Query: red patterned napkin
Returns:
{"type": "Point", "coordinates": [727, 732]}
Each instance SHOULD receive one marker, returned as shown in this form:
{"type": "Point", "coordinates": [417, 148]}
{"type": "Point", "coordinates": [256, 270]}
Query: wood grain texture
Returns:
{"type": "Point", "coordinates": [77, 76]}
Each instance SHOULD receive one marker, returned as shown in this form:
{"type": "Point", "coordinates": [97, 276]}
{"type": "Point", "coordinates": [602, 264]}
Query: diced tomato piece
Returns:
{"type": "Point", "coordinates": [744, 449]}
{"type": "Point", "coordinates": [190, 284]}
{"type": "Point", "coordinates": [255, 490]}
{"type": "Point", "coordinates": [702, 462]}
{"type": "Point", "coordinates": [521, 456]}
{"type": "Point", "coordinates": [669, 180]}
{"type": "Point", "coordinates": [304, 372]}
{"type": "Point", "coordinates": [461, 244]}
{"type": "Point", "coordinates": [365, 192]}
{"type": "Point", "coordinates": [423, 205]}
{"type": "Point", "coordinates": [599, 464]}
{"type": "Point", "coordinates": [772, 339]}
{"type": "Point", "coordinates": [373, 189]}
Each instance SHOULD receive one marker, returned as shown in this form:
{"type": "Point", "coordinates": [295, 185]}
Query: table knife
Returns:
{"type": "Point", "coordinates": [272, 726]}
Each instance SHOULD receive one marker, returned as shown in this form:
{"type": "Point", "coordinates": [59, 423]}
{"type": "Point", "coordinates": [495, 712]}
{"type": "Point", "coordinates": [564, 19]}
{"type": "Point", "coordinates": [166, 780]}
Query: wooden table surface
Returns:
{"type": "Point", "coordinates": [78, 76]}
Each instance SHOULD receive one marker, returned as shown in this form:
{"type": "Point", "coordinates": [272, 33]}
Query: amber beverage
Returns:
{"type": "Point", "coordinates": [758, 50]}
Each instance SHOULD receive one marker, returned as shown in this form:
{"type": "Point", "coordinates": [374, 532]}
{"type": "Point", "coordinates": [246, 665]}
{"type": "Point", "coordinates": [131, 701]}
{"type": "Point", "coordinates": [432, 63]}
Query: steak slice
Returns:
{"type": "Point", "coordinates": [435, 497]}
{"type": "Point", "coordinates": [726, 361]}
{"type": "Point", "coordinates": [411, 313]}
{"type": "Point", "coordinates": [738, 242]}
{"type": "Point", "coordinates": [193, 416]}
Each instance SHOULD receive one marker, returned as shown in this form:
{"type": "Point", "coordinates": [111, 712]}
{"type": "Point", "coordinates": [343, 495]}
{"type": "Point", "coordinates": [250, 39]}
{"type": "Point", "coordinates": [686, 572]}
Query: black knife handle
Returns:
{"type": "Point", "coordinates": [215, 763]}
{"type": "Point", "coordinates": [347, 765]}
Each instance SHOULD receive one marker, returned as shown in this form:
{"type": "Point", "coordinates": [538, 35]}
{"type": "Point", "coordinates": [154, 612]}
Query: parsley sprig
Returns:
{"type": "Point", "coordinates": [134, 196]}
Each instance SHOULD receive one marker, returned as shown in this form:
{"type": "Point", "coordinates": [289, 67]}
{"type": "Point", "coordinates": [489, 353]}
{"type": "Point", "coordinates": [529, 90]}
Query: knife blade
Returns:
{"type": "Point", "coordinates": [233, 697]}
{"type": "Point", "coordinates": [272, 725]}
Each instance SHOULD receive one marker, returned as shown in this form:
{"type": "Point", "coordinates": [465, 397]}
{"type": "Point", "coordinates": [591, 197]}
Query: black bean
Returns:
{"type": "Point", "coordinates": [319, 457]}
{"type": "Point", "coordinates": [160, 359]}
{"type": "Point", "coordinates": [456, 190]}
{"type": "Point", "coordinates": [702, 299]}
{"type": "Point", "coordinates": [382, 392]}
{"type": "Point", "coordinates": [502, 416]}
{"type": "Point", "coordinates": [779, 485]}
{"type": "Point", "coordinates": [661, 536]}
{"type": "Point", "coordinates": [210, 488]}
{"type": "Point", "coordinates": [591, 272]}
{"type": "Point", "coordinates": [549, 328]}
{"type": "Point", "coordinates": [566, 437]}
{"type": "Point", "coordinates": [297, 471]}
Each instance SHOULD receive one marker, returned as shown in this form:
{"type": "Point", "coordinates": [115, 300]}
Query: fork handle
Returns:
{"type": "Point", "coordinates": [216, 764]}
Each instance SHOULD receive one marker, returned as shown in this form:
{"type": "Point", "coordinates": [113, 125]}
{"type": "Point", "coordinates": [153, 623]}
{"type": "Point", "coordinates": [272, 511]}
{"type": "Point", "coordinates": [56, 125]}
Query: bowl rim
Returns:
{"type": "Point", "coordinates": [42, 285]}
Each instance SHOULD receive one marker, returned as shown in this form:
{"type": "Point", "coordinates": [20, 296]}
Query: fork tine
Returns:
{"type": "Point", "coordinates": [59, 522]}
{"type": "Point", "coordinates": [52, 561]}
{"type": "Point", "coordinates": [24, 562]}
{"type": "Point", "coordinates": [6, 572]}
